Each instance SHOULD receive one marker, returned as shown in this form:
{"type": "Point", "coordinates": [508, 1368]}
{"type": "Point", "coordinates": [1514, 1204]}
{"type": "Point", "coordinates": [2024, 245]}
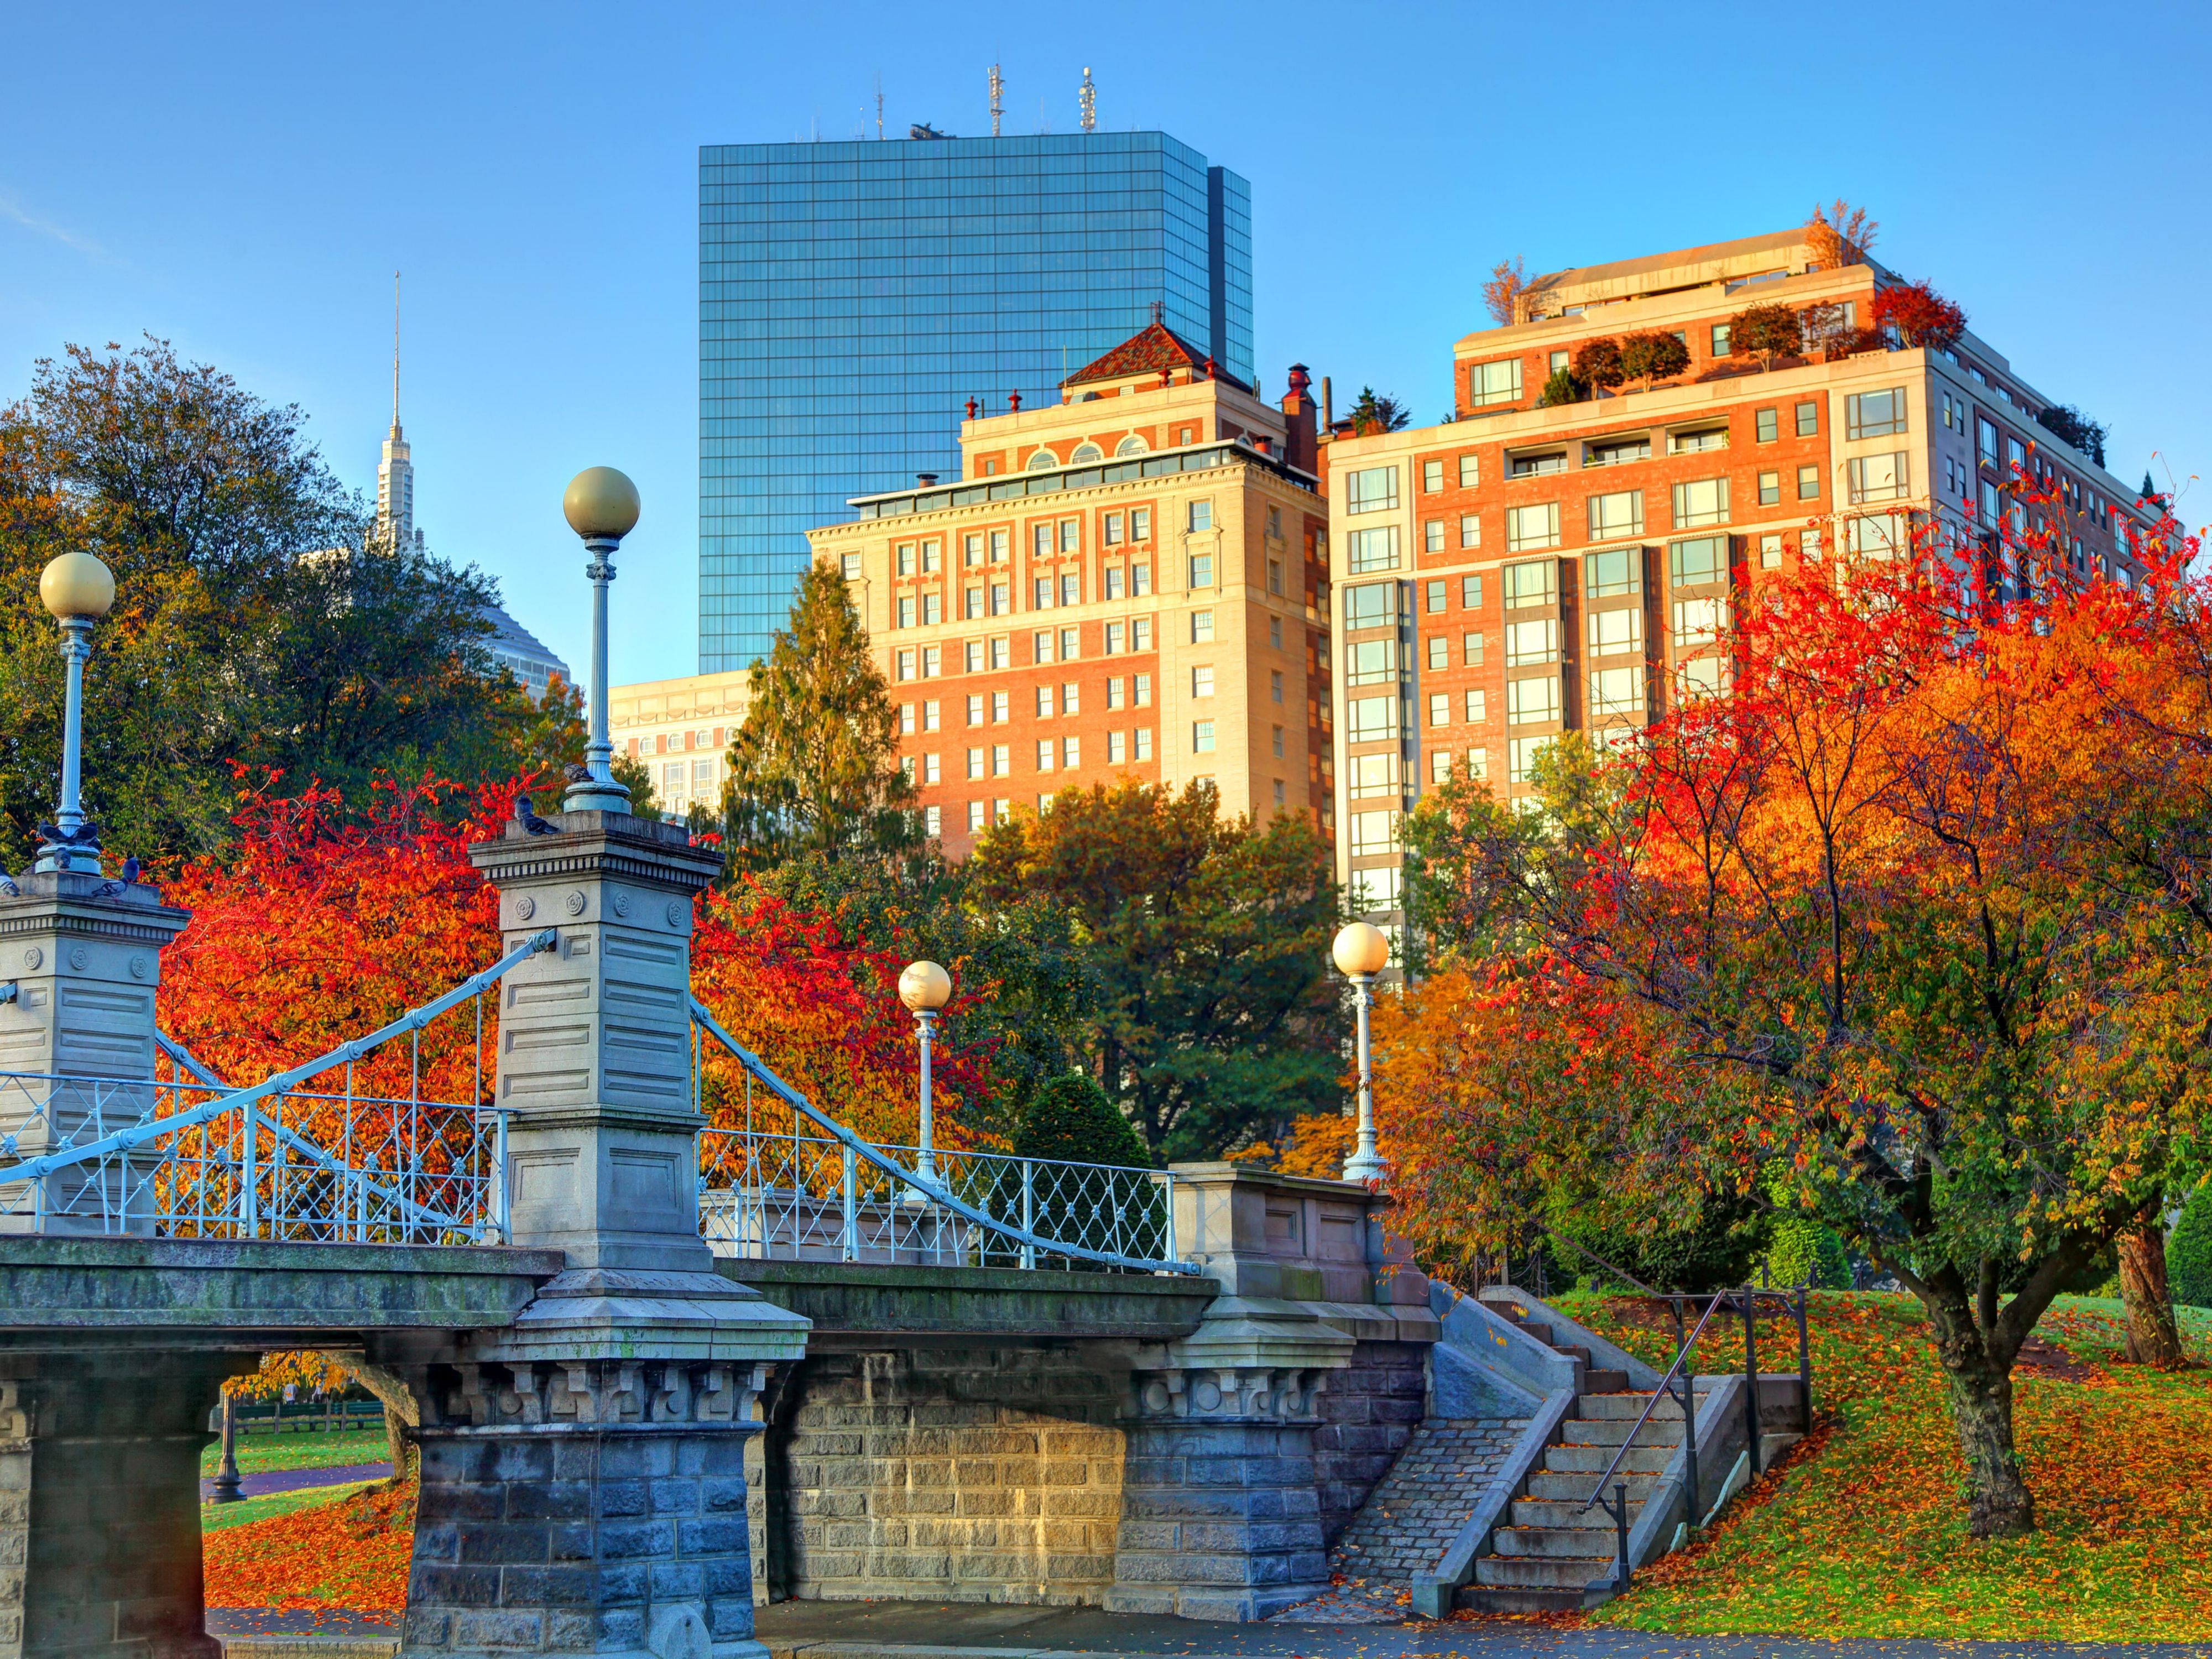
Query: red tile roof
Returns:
{"type": "Point", "coordinates": [1154, 348]}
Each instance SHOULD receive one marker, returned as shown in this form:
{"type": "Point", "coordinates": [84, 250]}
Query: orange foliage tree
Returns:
{"type": "Point", "coordinates": [1912, 927]}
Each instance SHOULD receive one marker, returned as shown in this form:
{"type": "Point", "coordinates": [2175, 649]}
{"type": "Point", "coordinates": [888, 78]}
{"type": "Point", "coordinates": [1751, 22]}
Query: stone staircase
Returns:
{"type": "Point", "coordinates": [1419, 1506]}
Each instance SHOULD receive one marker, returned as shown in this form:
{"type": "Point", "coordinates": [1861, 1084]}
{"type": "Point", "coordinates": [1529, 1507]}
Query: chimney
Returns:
{"type": "Point", "coordinates": [1300, 444]}
{"type": "Point", "coordinates": [925, 479]}
{"type": "Point", "coordinates": [1014, 402]}
{"type": "Point", "coordinates": [971, 408]}
{"type": "Point", "coordinates": [1328, 415]}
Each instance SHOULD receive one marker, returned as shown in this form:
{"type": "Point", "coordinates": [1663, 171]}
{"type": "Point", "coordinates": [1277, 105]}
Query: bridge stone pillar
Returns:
{"type": "Point", "coordinates": [1303, 1379]}
{"type": "Point", "coordinates": [83, 970]}
{"type": "Point", "coordinates": [583, 1469]}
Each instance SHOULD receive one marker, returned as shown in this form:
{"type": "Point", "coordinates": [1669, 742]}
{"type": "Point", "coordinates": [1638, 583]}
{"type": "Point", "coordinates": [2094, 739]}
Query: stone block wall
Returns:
{"type": "Point", "coordinates": [1366, 1415]}
{"type": "Point", "coordinates": [970, 1474]}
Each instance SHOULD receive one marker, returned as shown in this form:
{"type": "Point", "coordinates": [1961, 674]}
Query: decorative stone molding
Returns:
{"type": "Point", "coordinates": [1261, 1394]}
{"type": "Point", "coordinates": [608, 1394]}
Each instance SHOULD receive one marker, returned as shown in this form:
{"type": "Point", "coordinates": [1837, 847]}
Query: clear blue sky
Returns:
{"type": "Point", "coordinates": [242, 180]}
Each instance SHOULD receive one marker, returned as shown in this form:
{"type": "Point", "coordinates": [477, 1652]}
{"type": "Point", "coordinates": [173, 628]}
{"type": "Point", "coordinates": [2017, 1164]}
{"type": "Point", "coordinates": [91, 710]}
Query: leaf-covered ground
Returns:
{"type": "Point", "coordinates": [348, 1553]}
{"type": "Point", "coordinates": [1863, 1533]}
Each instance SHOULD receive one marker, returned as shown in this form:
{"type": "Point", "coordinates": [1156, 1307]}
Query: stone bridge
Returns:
{"type": "Point", "coordinates": [628, 1438]}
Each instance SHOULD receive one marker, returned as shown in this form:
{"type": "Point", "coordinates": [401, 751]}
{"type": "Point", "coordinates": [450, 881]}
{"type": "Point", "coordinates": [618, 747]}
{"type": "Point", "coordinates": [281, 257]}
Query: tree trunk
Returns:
{"type": "Point", "coordinates": [2154, 1335]}
{"type": "Point", "coordinates": [1999, 1503]}
{"type": "Point", "coordinates": [401, 1413]}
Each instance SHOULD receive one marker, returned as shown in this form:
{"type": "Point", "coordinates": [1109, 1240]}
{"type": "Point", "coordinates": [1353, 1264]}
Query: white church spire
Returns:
{"type": "Point", "coordinates": [395, 473]}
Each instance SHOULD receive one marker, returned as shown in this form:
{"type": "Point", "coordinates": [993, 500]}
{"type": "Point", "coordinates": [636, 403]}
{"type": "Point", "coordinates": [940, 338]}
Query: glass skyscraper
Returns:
{"type": "Point", "coordinates": [854, 297]}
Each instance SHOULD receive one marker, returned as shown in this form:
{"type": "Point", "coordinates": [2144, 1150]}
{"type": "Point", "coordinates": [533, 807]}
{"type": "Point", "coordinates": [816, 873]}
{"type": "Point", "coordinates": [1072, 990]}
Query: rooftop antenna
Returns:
{"type": "Point", "coordinates": [1089, 99]}
{"type": "Point", "coordinates": [998, 98]}
{"type": "Point", "coordinates": [879, 108]}
{"type": "Point", "coordinates": [395, 354]}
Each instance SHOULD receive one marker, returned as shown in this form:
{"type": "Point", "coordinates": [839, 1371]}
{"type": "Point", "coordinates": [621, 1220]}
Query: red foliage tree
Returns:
{"type": "Point", "coordinates": [1921, 316]}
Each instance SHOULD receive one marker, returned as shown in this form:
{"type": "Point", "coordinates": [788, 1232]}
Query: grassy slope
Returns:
{"type": "Point", "coordinates": [258, 1454]}
{"type": "Point", "coordinates": [1866, 1536]}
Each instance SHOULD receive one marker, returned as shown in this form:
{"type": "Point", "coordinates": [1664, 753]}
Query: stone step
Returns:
{"type": "Point", "coordinates": [1567, 1511]}
{"type": "Point", "coordinates": [1541, 1333]}
{"type": "Point", "coordinates": [1565, 1487]}
{"type": "Point", "coordinates": [1597, 1380]}
{"type": "Point", "coordinates": [1629, 1403]}
{"type": "Point", "coordinates": [1593, 1460]}
{"type": "Point", "coordinates": [1543, 1571]}
{"type": "Point", "coordinates": [1577, 1543]}
{"type": "Point", "coordinates": [1507, 1598]}
{"type": "Point", "coordinates": [1612, 1431]}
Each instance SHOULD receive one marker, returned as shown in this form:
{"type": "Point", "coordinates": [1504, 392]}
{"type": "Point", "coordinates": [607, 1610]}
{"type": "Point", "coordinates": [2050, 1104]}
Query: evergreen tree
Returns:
{"type": "Point", "coordinates": [814, 771]}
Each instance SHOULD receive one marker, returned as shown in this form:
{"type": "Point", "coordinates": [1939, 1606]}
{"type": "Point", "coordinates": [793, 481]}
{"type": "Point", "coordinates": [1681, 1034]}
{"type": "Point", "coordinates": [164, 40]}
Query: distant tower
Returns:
{"type": "Point", "coordinates": [998, 98]}
{"type": "Point", "coordinates": [1089, 101]}
{"type": "Point", "coordinates": [395, 473]}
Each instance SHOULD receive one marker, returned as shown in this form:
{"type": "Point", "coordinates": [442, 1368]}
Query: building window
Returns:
{"type": "Point", "coordinates": [1374, 833]}
{"type": "Point", "coordinates": [971, 603]}
{"type": "Point", "coordinates": [1044, 752]}
{"type": "Point", "coordinates": [1141, 579]}
{"type": "Point", "coordinates": [1616, 691]}
{"type": "Point", "coordinates": [1275, 685]}
{"type": "Point", "coordinates": [1275, 632]}
{"type": "Point", "coordinates": [1985, 439]}
{"type": "Point", "coordinates": [1470, 472]}
{"type": "Point", "coordinates": [1765, 425]}
{"type": "Point", "coordinates": [1615, 632]}
{"type": "Point", "coordinates": [1370, 489]}
{"type": "Point", "coordinates": [1070, 644]}
{"type": "Point", "coordinates": [1043, 701]}
{"type": "Point", "coordinates": [1373, 718]}
{"type": "Point", "coordinates": [1529, 643]}
{"type": "Point", "coordinates": [1531, 585]}
{"type": "Point", "coordinates": [1202, 627]}
{"type": "Point", "coordinates": [1372, 605]}
{"type": "Point", "coordinates": [1113, 581]}
{"type": "Point", "coordinates": [1614, 572]}
{"type": "Point", "coordinates": [1720, 339]}
{"type": "Point", "coordinates": [1702, 560]}
{"type": "Point", "coordinates": [1874, 414]}
{"type": "Point", "coordinates": [1278, 740]}
{"type": "Point", "coordinates": [1617, 452]}
{"type": "Point", "coordinates": [1433, 536]}
{"type": "Point", "coordinates": [1373, 550]}
{"type": "Point", "coordinates": [1117, 747]}
{"type": "Point", "coordinates": [1470, 529]}
{"type": "Point", "coordinates": [1144, 737]}
{"type": "Point", "coordinates": [906, 559]}
{"type": "Point", "coordinates": [1275, 577]}
{"type": "Point", "coordinates": [1439, 709]}
{"type": "Point", "coordinates": [1532, 702]}
{"type": "Point", "coordinates": [1041, 646]}
{"type": "Point", "coordinates": [1199, 518]}
{"type": "Point", "coordinates": [1521, 755]}
{"type": "Point", "coordinates": [1113, 692]}
{"type": "Point", "coordinates": [1040, 541]}
{"type": "Point", "coordinates": [1770, 552]}
{"type": "Point", "coordinates": [1878, 477]}
{"type": "Point", "coordinates": [1000, 602]}
{"type": "Point", "coordinates": [905, 720]}
{"type": "Point", "coordinates": [1700, 442]}
{"type": "Point", "coordinates": [1142, 691]}
{"type": "Point", "coordinates": [933, 769]}
{"type": "Point", "coordinates": [1770, 489]}
{"type": "Point", "coordinates": [1880, 535]}
{"type": "Point", "coordinates": [1529, 527]}
{"type": "Point", "coordinates": [1041, 593]}
{"type": "Point", "coordinates": [1433, 594]}
{"type": "Point", "coordinates": [974, 816]}
{"type": "Point", "coordinates": [1371, 776]}
{"type": "Point", "coordinates": [851, 567]}
{"type": "Point", "coordinates": [929, 715]}
{"type": "Point", "coordinates": [1040, 459]}
{"type": "Point", "coordinates": [975, 709]}
{"type": "Point", "coordinates": [1131, 445]}
{"type": "Point", "coordinates": [1140, 523]}
{"type": "Point", "coordinates": [1071, 589]}
{"type": "Point", "coordinates": [932, 662]}
{"type": "Point", "coordinates": [1478, 707]}
{"type": "Point", "coordinates": [1494, 383]}
{"type": "Point", "coordinates": [998, 707]}
{"type": "Point", "coordinates": [1470, 592]}
{"type": "Point", "coordinates": [1114, 633]}
{"type": "Point", "coordinates": [1433, 477]}
{"type": "Point", "coordinates": [1702, 500]}
{"type": "Point", "coordinates": [1620, 513]}
{"type": "Point", "coordinates": [1201, 736]}
{"type": "Point", "coordinates": [1808, 484]}
{"type": "Point", "coordinates": [905, 611]}
{"type": "Point", "coordinates": [1471, 650]}
{"type": "Point", "coordinates": [1370, 662]}
{"type": "Point", "coordinates": [931, 563]}
{"type": "Point", "coordinates": [1377, 889]}
{"type": "Point", "coordinates": [1201, 681]}
{"type": "Point", "coordinates": [1439, 652]}
{"type": "Point", "coordinates": [1140, 633]}
{"type": "Point", "coordinates": [1002, 760]}
{"type": "Point", "coordinates": [1699, 622]}
{"type": "Point", "coordinates": [906, 664]}
{"type": "Point", "coordinates": [1440, 762]}
{"type": "Point", "coordinates": [1809, 420]}
{"type": "Point", "coordinates": [932, 610]}
{"type": "Point", "coordinates": [1201, 570]}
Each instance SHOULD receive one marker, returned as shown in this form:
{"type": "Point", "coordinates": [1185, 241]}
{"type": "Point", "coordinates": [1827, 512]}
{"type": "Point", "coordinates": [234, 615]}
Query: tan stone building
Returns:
{"type": "Point", "coordinates": [1526, 570]}
{"type": "Point", "coordinates": [680, 730]}
{"type": "Point", "coordinates": [1129, 583]}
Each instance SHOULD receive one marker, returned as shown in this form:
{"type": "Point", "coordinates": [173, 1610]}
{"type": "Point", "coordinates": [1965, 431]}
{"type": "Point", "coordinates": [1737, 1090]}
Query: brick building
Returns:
{"type": "Point", "coordinates": [681, 730]}
{"type": "Point", "coordinates": [1525, 571]}
{"type": "Point", "coordinates": [1129, 583]}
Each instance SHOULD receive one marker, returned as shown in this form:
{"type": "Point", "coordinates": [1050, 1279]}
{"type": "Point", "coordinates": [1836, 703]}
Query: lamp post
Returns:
{"type": "Point", "coordinates": [925, 988]}
{"type": "Point", "coordinates": [226, 1475]}
{"type": "Point", "coordinates": [602, 508]}
{"type": "Point", "coordinates": [79, 590]}
{"type": "Point", "coordinates": [1361, 952]}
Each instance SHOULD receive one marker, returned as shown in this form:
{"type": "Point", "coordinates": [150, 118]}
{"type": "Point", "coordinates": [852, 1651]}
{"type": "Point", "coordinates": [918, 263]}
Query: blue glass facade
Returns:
{"type": "Point", "coordinates": [854, 297]}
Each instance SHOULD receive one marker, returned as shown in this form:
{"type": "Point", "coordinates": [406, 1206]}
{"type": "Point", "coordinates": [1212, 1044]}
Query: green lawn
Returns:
{"type": "Point", "coordinates": [258, 1454]}
{"type": "Point", "coordinates": [1863, 1533]}
{"type": "Point", "coordinates": [221, 1517]}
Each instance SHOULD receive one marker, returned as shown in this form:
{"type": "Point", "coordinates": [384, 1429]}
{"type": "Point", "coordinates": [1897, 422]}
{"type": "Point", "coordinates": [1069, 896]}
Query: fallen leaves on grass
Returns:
{"type": "Point", "coordinates": [351, 1554]}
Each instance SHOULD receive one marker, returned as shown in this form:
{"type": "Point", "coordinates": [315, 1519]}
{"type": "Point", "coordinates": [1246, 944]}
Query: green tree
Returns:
{"type": "Point", "coordinates": [1652, 356]}
{"type": "Point", "coordinates": [2076, 429]}
{"type": "Point", "coordinates": [1371, 413]}
{"type": "Point", "coordinates": [1770, 330]}
{"type": "Point", "coordinates": [1208, 1008]}
{"type": "Point", "coordinates": [814, 770]}
{"type": "Point", "coordinates": [2189, 1250]}
{"type": "Point", "coordinates": [253, 626]}
{"type": "Point", "coordinates": [1069, 1119]}
{"type": "Point", "coordinates": [1562, 389]}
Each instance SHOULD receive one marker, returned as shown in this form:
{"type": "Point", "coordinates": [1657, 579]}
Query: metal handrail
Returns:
{"type": "Point", "coordinates": [926, 1186]}
{"type": "Point", "coordinates": [413, 1020]}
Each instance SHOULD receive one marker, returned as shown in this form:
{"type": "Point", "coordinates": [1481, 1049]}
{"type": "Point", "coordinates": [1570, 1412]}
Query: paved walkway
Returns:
{"type": "Point", "coordinates": [272, 1481]}
{"type": "Point", "coordinates": [931, 1630]}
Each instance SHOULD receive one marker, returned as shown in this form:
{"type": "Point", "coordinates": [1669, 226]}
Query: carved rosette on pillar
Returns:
{"type": "Point", "coordinates": [583, 1469]}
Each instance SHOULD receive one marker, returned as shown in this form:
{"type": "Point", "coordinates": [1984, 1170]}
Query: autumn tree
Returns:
{"type": "Point", "coordinates": [1921, 316]}
{"type": "Point", "coordinates": [1769, 331]}
{"type": "Point", "coordinates": [1839, 235]}
{"type": "Point", "coordinates": [1857, 934]}
{"type": "Point", "coordinates": [1652, 356]}
{"type": "Point", "coordinates": [1501, 294]}
{"type": "Point", "coordinates": [1597, 365]}
{"type": "Point", "coordinates": [1208, 1009]}
{"type": "Point", "coordinates": [2074, 427]}
{"type": "Point", "coordinates": [1374, 412]}
{"type": "Point", "coordinates": [254, 624]}
{"type": "Point", "coordinates": [814, 770]}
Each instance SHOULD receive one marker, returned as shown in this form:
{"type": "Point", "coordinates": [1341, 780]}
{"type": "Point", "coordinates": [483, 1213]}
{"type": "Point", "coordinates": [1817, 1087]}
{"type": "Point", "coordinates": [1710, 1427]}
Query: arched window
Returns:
{"type": "Point", "coordinates": [1131, 445]}
{"type": "Point", "coordinates": [1086, 452]}
{"type": "Point", "coordinates": [1040, 460]}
